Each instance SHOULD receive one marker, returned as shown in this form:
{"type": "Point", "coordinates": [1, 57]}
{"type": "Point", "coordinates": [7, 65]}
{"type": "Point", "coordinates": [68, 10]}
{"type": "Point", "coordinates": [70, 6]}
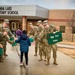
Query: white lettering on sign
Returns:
{"type": "Point", "coordinates": [12, 12]}
{"type": "Point", "coordinates": [52, 37]}
{"type": "Point", "coordinates": [55, 40]}
{"type": "Point", "coordinates": [56, 35]}
{"type": "Point", "coordinates": [1, 8]}
{"type": "Point", "coordinates": [7, 10]}
{"type": "Point", "coordinates": [2, 12]}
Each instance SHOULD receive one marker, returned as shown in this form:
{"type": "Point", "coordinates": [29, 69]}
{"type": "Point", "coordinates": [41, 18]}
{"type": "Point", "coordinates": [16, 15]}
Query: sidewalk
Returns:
{"type": "Point", "coordinates": [67, 48]}
{"type": "Point", "coordinates": [66, 65]}
{"type": "Point", "coordinates": [67, 43]}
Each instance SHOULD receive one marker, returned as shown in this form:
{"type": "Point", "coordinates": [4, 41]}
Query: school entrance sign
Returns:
{"type": "Point", "coordinates": [54, 38]}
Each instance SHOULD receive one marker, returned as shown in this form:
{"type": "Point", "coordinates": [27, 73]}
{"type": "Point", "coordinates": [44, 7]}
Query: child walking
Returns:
{"type": "Point", "coordinates": [24, 46]}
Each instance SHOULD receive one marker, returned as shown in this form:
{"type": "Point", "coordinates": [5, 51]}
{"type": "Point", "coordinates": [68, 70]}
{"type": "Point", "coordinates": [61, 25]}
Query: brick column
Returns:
{"type": "Point", "coordinates": [24, 23]}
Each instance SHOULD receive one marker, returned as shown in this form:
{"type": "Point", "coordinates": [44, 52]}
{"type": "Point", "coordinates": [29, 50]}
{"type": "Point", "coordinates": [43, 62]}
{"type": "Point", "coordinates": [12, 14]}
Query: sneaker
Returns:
{"type": "Point", "coordinates": [21, 64]}
{"type": "Point", "coordinates": [35, 54]}
{"type": "Point", "coordinates": [1, 60]}
{"type": "Point", "coordinates": [5, 55]}
{"type": "Point", "coordinates": [27, 66]}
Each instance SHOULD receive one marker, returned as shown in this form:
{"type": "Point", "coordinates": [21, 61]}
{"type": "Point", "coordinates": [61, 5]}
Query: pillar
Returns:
{"type": "Point", "coordinates": [24, 23]}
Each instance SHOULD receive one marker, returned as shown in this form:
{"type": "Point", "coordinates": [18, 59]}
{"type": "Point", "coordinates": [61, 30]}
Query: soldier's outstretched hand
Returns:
{"type": "Point", "coordinates": [4, 33]}
{"type": "Point", "coordinates": [1, 46]}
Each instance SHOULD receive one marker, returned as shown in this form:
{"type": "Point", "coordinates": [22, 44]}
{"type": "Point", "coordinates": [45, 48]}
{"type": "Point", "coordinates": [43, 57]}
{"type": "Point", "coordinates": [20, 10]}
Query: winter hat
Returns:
{"type": "Point", "coordinates": [30, 24]}
{"type": "Point", "coordinates": [18, 32]}
{"type": "Point", "coordinates": [39, 21]}
{"type": "Point", "coordinates": [6, 21]}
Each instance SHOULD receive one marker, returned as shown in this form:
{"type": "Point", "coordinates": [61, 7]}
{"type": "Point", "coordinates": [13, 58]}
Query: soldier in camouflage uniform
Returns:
{"type": "Point", "coordinates": [1, 46]}
{"type": "Point", "coordinates": [4, 31]}
{"type": "Point", "coordinates": [3, 43]}
{"type": "Point", "coordinates": [49, 29]}
{"type": "Point", "coordinates": [41, 45]}
{"type": "Point", "coordinates": [33, 32]}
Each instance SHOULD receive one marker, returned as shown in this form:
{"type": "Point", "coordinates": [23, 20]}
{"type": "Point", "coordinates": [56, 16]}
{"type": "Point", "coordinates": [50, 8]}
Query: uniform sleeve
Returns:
{"type": "Point", "coordinates": [55, 29]}
{"type": "Point", "coordinates": [36, 32]}
{"type": "Point", "coordinates": [1, 30]}
{"type": "Point", "coordinates": [29, 33]}
{"type": "Point", "coordinates": [41, 35]}
{"type": "Point", "coordinates": [1, 33]}
{"type": "Point", "coordinates": [9, 32]}
{"type": "Point", "coordinates": [7, 39]}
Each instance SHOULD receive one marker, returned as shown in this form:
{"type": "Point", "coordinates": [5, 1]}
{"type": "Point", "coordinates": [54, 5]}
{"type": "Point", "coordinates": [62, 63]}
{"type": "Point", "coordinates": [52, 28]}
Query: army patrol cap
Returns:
{"type": "Point", "coordinates": [30, 24]}
{"type": "Point", "coordinates": [45, 22]}
{"type": "Point", "coordinates": [6, 21]}
{"type": "Point", "coordinates": [39, 21]}
{"type": "Point", "coordinates": [52, 24]}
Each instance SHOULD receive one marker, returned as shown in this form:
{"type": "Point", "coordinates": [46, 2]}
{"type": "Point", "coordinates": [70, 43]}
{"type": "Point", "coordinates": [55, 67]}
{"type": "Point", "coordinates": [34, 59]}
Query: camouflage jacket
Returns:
{"type": "Point", "coordinates": [3, 38]}
{"type": "Point", "coordinates": [46, 31]}
{"type": "Point", "coordinates": [33, 32]}
{"type": "Point", "coordinates": [40, 30]}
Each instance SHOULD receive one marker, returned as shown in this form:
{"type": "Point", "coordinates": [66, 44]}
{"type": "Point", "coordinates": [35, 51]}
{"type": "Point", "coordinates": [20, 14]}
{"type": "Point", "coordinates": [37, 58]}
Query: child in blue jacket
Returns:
{"type": "Point", "coordinates": [24, 46]}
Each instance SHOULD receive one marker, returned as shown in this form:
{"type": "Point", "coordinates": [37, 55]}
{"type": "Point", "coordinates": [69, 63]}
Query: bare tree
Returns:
{"type": "Point", "coordinates": [71, 21]}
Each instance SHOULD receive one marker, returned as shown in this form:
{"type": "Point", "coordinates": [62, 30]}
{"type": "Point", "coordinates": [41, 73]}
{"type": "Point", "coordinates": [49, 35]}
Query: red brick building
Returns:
{"type": "Point", "coordinates": [64, 20]}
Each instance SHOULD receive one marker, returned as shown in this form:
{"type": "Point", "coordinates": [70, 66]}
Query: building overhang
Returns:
{"type": "Point", "coordinates": [31, 11]}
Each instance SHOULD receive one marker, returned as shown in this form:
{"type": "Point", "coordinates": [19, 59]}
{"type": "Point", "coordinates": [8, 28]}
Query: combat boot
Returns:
{"type": "Point", "coordinates": [35, 54]}
{"type": "Point", "coordinates": [40, 58]}
{"type": "Point", "coordinates": [45, 58]}
{"type": "Point", "coordinates": [47, 62]}
{"type": "Point", "coordinates": [1, 59]}
{"type": "Point", "coordinates": [5, 54]}
{"type": "Point", "coordinates": [55, 62]}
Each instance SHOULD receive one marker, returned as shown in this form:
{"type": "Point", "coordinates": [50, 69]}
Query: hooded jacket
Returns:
{"type": "Point", "coordinates": [24, 43]}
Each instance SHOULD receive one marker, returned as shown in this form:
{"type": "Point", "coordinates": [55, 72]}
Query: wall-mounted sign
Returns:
{"type": "Point", "coordinates": [7, 10]}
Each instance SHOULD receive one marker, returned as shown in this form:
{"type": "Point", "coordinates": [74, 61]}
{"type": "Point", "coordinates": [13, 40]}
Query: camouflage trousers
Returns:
{"type": "Point", "coordinates": [42, 50]}
{"type": "Point", "coordinates": [48, 51]}
{"type": "Point", "coordinates": [4, 49]}
{"type": "Point", "coordinates": [36, 46]}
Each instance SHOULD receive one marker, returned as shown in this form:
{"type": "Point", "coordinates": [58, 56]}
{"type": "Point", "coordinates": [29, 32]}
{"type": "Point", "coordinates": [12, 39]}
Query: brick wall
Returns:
{"type": "Point", "coordinates": [63, 18]}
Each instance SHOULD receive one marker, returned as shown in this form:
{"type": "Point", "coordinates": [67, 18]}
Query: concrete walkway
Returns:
{"type": "Point", "coordinates": [66, 45]}
{"type": "Point", "coordinates": [66, 65]}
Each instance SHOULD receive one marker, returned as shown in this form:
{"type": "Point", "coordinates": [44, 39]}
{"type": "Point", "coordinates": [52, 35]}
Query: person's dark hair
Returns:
{"type": "Point", "coordinates": [24, 32]}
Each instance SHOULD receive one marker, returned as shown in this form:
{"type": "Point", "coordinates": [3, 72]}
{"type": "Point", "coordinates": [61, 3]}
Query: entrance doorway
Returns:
{"type": "Point", "coordinates": [14, 25]}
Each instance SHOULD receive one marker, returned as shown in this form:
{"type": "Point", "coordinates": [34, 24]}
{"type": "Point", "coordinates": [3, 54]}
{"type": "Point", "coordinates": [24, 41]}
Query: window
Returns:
{"type": "Point", "coordinates": [73, 30]}
{"type": "Point", "coordinates": [13, 25]}
{"type": "Point", "coordinates": [62, 29]}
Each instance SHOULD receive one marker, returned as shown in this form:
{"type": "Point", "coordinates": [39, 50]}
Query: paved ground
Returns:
{"type": "Point", "coordinates": [11, 65]}
{"type": "Point", "coordinates": [68, 51]}
{"type": "Point", "coordinates": [66, 45]}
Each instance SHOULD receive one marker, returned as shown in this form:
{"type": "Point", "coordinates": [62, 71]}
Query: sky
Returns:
{"type": "Point", "coordinates": [50, 4]}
